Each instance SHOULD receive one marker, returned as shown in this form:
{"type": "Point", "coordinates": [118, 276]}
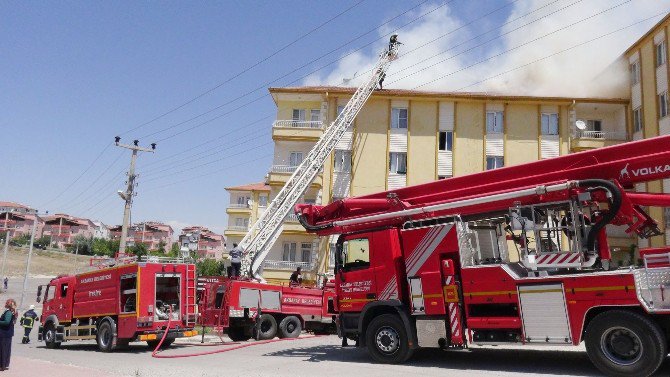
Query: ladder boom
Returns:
{"type": "Point", "coordinates": [259, 239]}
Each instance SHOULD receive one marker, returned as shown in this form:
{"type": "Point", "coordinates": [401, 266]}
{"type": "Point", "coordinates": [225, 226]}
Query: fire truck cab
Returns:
{"type": "Point", "coordinates": [116, 305]}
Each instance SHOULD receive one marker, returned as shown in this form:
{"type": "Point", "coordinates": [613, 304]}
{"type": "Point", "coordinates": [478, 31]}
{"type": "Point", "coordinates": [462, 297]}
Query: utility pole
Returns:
{"type": "Point", "coordinates": [30, 254]}
{"type": "Point", "coordinates": [4, 255]}
{"type": "Point", "coordinates": [127, 196]}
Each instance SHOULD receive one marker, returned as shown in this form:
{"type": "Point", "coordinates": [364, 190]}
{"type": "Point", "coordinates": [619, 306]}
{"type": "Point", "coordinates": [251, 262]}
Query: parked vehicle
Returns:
{"type": "Point", "coordinates": [131, 301]}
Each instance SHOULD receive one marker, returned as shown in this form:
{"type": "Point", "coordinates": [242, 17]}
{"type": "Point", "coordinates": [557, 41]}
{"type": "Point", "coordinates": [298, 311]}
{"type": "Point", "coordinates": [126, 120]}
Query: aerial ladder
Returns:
{"type": "Point", "coordinates": [258, 241]}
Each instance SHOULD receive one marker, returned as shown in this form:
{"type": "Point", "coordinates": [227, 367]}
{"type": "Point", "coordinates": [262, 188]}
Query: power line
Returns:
{"type": "Point", "coordinates": [231, 78]}
{"type": "Point", "coordinates": [78, 178]}
{"type": "Point", "coordinates": [265, 85]}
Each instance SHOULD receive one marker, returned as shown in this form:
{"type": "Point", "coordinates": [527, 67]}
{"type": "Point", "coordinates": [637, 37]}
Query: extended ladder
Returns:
{"type": "Point", "coordinates": [191, 295]}
{"type": "Point", "coordinates": [263, 234]}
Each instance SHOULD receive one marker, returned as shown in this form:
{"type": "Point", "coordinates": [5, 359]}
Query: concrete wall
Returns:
{"type": "Point", "coordinates": [468, 138]}
{"type": "Point", "coordinates": [522, 134]}
{"type": "Point", "coordinates": [422, 142]}
{"type": "Point", "coordinates": [370, 158]}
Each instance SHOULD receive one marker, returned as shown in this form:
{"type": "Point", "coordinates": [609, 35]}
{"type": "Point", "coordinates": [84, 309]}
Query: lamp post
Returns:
{"type": "Point", "coordinates": [4, 254]}
{"type": "Point", "coordinates": [30, 255]}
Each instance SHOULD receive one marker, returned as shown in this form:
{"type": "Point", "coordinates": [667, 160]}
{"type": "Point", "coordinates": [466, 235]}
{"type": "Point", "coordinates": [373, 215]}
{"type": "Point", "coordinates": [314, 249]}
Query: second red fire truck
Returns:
{"type": "Point", "coordinates": [517, 255]}
{"type": "Point", "coordinates": [129, 301]}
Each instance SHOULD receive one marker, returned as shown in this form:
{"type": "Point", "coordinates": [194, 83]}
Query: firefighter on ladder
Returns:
{"type": "Point", "coordinates": [28, 322]}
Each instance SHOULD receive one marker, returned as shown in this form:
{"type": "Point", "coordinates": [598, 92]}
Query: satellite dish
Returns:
{"type": "Point", "coordinates": [580, 124]}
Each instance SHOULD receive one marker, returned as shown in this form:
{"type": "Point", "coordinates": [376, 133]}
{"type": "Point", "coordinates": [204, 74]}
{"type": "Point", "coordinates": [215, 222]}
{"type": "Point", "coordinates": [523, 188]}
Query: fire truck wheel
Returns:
{"type": "Point", "coordinates": [105, 337]}
{"type": "Point", "coordinates": [50, 336]}
{"type": "Point", "coordinates": [387, 340]}
{"type": "Point", "coordinates": [290, 327]}
{"type": "Point", "coordinates": [238, 334]}
{"type": "Point", "coordinates": [623, 343]}
{"type": "Point", "coordinates": [267, 328]}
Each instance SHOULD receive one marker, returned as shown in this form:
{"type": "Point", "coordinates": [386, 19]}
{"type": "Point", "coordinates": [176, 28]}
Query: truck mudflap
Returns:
{"type": "Point", "coordinates": [172, 334]}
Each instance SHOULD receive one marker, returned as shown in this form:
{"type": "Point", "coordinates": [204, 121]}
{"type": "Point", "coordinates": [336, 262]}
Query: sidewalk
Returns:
{"type": "Point", "coordinates": [21, 366]}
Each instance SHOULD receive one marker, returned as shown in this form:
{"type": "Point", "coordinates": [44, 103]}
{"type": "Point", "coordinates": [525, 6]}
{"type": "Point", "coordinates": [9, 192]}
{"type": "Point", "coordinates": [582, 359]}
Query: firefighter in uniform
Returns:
{"type": "Point", "coordinates": [28, 322]}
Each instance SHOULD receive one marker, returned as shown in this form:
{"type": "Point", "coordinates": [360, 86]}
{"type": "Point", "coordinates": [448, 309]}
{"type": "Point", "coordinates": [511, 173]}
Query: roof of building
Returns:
{"type": "Point", "coordinates": [260, 186]}
{"type": "Point", "coordinates": [434, 94]}
{"type": "Point", "coordinates": [69, 218]}
{"type": "Point", "coordinates": [21, 216]}
{"type": "Point", "coordinates": [13, 204]}
{"type": "Point", "coordinates": [647, 34]}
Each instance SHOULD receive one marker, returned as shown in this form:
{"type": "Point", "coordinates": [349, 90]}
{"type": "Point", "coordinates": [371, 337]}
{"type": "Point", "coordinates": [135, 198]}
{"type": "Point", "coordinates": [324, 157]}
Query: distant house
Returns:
{"type": "Point", "coordinates": [18, 224]}
{"type": "Point", "coordinates": [204, 242]}
{"type": "Point", "coordinates": [15, 207]}
{"type": "Point", "coordinates": [153, 234]}
{"type": "Point", "coordinates": [101, 230]}
{"type": "Point", "coordinates": [63, 229]}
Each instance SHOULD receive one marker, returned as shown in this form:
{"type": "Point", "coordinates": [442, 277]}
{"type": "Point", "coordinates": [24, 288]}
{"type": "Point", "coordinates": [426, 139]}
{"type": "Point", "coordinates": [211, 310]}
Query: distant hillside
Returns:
{"type": "Point", "coordinates": [43, 262]}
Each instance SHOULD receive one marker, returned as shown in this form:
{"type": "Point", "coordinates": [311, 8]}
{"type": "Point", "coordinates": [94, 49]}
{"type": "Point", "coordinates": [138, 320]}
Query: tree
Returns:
{"type": "Point", "coordinates": [174, 250]}
{"type": "Point", "coordinates": [139, 250]}
{"type": "Point", "coordinates": [81, 245]}
{"type": "Point", "coordinates": [20, 240]}
{"type": "Point", "coordinates": [209, 267]}
{"type": "Point", "coordinates": [103, 247]}
{"type": "Point", "coordinates": [161, 246]}
{"type": "Point", "coordinates": [44, 241]}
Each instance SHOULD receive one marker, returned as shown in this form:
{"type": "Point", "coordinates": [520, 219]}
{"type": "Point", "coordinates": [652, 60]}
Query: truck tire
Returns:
{"type": "Point", "coordinates": [387, 340]}
{"type": "Point", "coordinates": [105, 337]}
{"type": "Point", "coordinates": [50, 336]}
{"type": "Point", "coordinates": [622, 343]}
{"type": "Point", "coordinates": [266, 328]}
{"type": "Point", "coordinates": [290, 327]}
{"type": "Point", "coordinates": [238, 334]}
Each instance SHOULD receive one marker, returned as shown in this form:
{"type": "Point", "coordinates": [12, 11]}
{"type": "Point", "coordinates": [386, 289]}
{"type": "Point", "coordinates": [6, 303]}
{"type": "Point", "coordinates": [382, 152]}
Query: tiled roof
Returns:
{"type": "Point", "coordinates": [260, 186]}
{"type": "Point", "coordinates": [422, 93]}
{"type": "Point", "coordinates": [13, 204]}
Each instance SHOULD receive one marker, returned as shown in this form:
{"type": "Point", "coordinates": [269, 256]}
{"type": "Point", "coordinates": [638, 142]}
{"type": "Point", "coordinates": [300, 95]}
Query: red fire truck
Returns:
{"type": "Point", "coordinates": [517, 255]}
{"type": "Point", "coordinates": [232, 305]}
{"type": "Point", "coordinates": [130, 301]}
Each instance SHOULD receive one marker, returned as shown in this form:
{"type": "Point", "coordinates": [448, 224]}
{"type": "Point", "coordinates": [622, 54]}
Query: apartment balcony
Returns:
{"type": "Point", "coordinates": [584, 139]}
{"type": "Point", "coordinates": [279, 175]}
{"type": "Point", "coordinates": [287, 265]}
{"type": "Point", "coordinates": [297, 130]}
{"type": "Point", "coordinates": [238, 208]}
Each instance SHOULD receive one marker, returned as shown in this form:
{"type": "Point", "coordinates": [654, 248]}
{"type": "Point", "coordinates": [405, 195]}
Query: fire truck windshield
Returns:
{"type": "Point", "coordinates": [354, 253]}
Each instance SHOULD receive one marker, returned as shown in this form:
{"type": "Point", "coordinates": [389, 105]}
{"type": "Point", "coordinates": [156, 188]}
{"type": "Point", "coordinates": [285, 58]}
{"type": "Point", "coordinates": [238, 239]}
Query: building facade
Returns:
{"type": "Point", "coordinates": [20, 224]}
{"type": "Point", "coordinates": [203, 242]}
{"type": "Point", "coordinates": [63, 229]}
{"type": "Point", "coordinates": [16, 207]}
{"type": "Point", "coordinates": [647, 61]}
{"type": "Point", "coordinates": [155, 235]}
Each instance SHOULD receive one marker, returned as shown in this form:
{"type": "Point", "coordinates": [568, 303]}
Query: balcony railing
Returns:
{"type": "Point", "coordinates": [291, 218]}
{"type": "Point", "coordinates": [283, 168]}
{"type": "Point", "coordinates": [238, 228]}
{"type": "Point", "coordinates": [287, 265]}
{"type": "Point", "coordinates": [600, 135]}
{"type": "Point", "coordinates": [238, 205]}
{"type": "Point", "coordinates": [298, 124]}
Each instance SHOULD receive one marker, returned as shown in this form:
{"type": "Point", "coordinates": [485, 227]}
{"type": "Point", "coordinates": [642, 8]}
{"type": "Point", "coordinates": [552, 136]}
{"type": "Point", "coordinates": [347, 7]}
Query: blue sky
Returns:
{"type": "Point", "coordinates": [75, 74]}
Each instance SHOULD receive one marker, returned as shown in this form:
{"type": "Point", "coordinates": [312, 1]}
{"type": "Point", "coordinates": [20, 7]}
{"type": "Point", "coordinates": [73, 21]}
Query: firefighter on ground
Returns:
{"type": "Point", "coordinates": [296, 277]}
{"type": "Point", "coordinates": [235, 261]}
{"type": "Point", "coordinates": [28, 322]}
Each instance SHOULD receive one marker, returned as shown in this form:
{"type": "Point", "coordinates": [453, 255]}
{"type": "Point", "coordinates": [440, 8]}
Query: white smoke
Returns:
{"type": "Point", "coordinates": [568, 73]}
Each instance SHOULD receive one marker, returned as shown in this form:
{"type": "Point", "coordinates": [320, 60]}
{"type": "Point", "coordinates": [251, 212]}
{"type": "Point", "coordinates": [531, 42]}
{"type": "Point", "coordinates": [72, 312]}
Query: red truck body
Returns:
{"type": "Point", "coordinates": [517, 255]}
{"type": "Point", "coordinates": [232, 305]}
{"type": "Point", "coordinates": [120, 304]}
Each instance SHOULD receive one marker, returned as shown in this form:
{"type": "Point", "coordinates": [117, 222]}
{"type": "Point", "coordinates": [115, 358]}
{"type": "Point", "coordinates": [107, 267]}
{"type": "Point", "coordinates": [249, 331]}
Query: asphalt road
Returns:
{"type": "Point", "coordinates": [320, 356]}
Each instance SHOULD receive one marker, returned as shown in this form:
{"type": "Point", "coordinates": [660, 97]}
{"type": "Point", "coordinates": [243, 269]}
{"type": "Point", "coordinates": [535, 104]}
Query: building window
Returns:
{"type": "Point", "coordinates": [289, 251]}
{"type": "Point", "coordinates": [262, 200]}
{"type": "Point", "coordinates": [306, 251]}
{"type": "Point", "coordinates": [550, 124]}
{"type": "Point", "coordinates": [663, 104]}
{"type": "Point", "coordinates": [315, 115]}
{"type": "Point", "coordinates": [398, 163]}
{"type": "Point", "coordinates": [635, 73]}
{"type": "Point", "coordinates": [494, 162]}
{"type": "Point", "coordinates": [637, 119]}
{"type": "Point", "coordinates": [667, 217]}
{"type": "Point", "coordinates": [299, 114]}
{"type": "Point", "coordinates": [594, 125]}
{"type": "Point", "coordinates": [446, 141]}
{"type": "Point", "coordinates": [243, 200]}
{"type": "Point", "coordinates": [295, 159]}
{"type": "Point", "coordinates": [440, 177]}
{"type": "Point", "coordinates": [494, 122]}
{"type": "Point", "coordinates": [339, 109]}
{"type": "Point", "coordinates": [398, 117]}
{"type": "Point", "coordinates": [660, 54]}
{"type": "Point", "coordinates": [342, 161]}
